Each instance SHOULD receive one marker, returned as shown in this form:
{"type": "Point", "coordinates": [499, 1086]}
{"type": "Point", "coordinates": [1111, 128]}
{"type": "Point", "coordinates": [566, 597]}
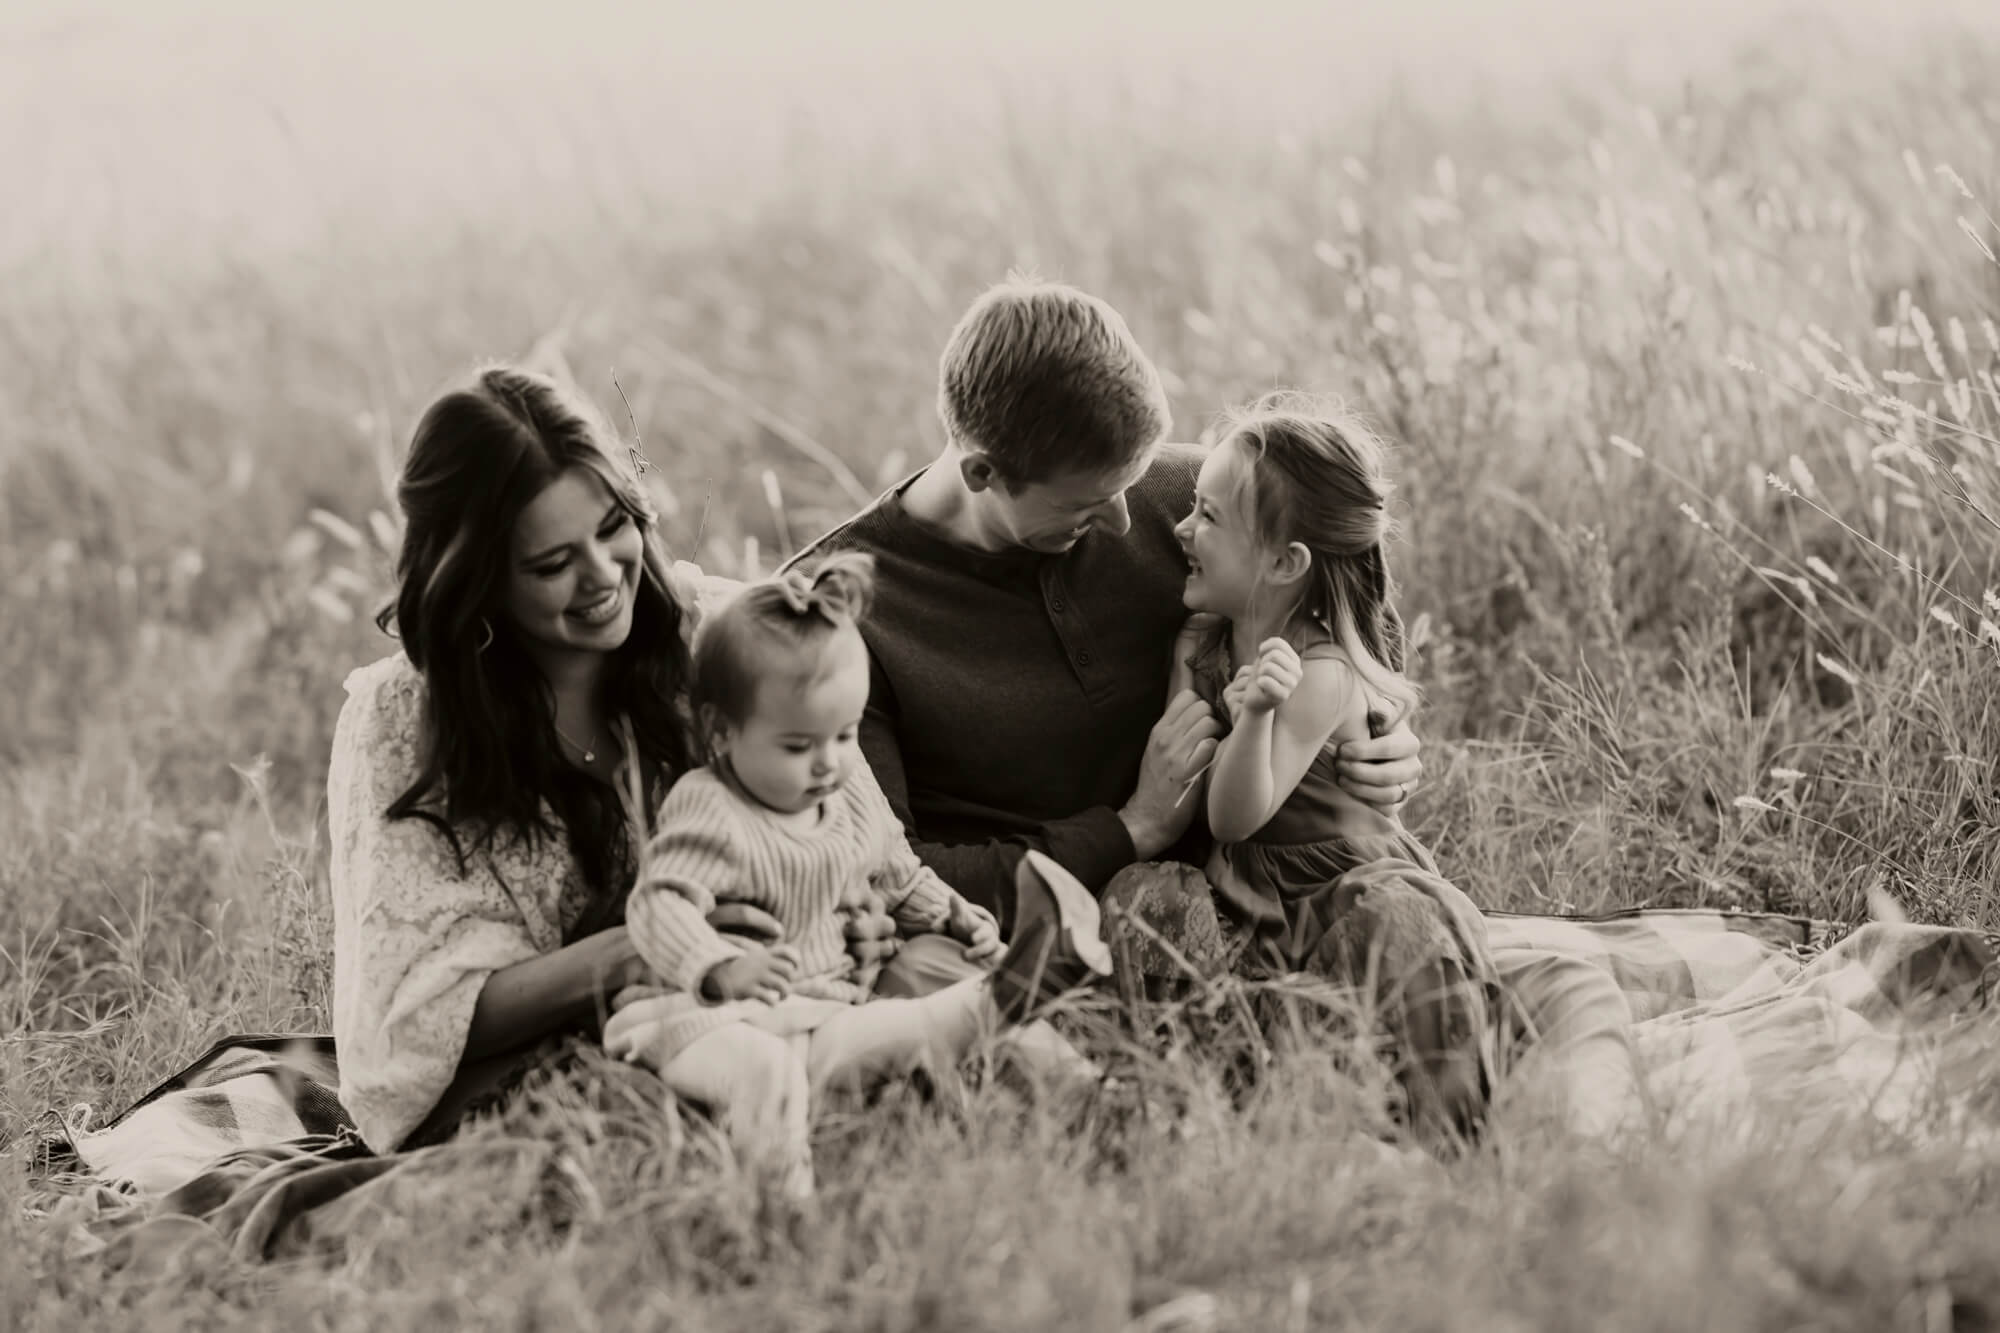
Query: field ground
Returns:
{"type": "Point", "coordinates": [1693, 380]}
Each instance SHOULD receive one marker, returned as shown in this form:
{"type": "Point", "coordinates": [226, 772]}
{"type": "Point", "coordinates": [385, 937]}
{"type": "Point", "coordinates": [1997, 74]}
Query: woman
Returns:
{"type": "Point", "coordinates": [490, 785]}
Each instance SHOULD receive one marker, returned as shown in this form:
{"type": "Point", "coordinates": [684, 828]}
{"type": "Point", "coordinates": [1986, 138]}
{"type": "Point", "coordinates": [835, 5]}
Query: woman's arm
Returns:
{"type": "Point", "coordinates": [526, 1001]}
{"type": "Point", "coordinates": [1289, 711]}
{"type": "Point", "coordinates": [417, 933]}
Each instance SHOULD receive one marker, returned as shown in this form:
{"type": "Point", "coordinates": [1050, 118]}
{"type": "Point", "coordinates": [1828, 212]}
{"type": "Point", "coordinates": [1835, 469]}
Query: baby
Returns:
{"type": "Point", "coordinates": [787, 817]}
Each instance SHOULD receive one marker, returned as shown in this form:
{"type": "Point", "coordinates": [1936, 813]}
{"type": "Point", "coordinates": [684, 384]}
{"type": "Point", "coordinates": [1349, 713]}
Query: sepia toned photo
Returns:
{"type": "Point", "coordinates": [1158, 668]}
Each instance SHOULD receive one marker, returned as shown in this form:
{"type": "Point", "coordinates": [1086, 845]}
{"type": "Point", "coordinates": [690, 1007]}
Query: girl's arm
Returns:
{"type": "Point", "coordinates": [1289, 711]}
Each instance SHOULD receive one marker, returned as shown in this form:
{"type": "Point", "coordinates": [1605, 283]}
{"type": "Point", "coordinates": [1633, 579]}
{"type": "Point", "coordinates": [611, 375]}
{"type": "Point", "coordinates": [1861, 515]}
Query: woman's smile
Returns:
{"type": "Point", "coordinates": [601, 609]}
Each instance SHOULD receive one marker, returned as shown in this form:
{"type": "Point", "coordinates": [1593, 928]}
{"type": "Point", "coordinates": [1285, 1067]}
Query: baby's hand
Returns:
{"type": "Point", "coordinates": [1272, 678]}
{"type": "Point", "coordinates": [760, 973]}
{"type": "Point", "coordinates": [975, 928]}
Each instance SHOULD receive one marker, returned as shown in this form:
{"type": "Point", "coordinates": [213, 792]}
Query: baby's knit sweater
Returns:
{"type": "Point", "coordinates": [713, 845]}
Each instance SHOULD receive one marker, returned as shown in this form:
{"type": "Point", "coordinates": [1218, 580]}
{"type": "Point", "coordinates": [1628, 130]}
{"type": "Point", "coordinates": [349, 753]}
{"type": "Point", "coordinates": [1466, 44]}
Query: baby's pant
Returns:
{"type": "Point", "coordinates": [760, 1085]}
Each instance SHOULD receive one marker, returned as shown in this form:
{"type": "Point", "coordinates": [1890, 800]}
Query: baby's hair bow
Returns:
{"type": "Point", "coordinates": [800, 592]}
{"type": "Point", "coordinates": [838, 589]}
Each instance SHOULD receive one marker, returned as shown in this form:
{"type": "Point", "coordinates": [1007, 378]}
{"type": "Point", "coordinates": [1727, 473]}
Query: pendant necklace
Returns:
{"type": "Point", "coordinates": [589, 753]}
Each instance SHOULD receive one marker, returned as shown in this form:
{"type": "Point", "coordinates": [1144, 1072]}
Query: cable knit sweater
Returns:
{"type": "Point", "coordinates": [712, 845]}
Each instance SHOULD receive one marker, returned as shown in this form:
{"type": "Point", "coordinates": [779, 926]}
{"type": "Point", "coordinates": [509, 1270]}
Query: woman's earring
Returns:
{"type": "Point", "coordinates": [486, 631]}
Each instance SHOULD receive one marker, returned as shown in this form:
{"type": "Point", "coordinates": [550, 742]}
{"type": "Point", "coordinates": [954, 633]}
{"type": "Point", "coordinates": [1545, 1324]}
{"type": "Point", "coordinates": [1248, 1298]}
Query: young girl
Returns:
{"type": "Point", "coordinates": [787, 817]}
{"type": "Point", "coordinates": [1298, 646]}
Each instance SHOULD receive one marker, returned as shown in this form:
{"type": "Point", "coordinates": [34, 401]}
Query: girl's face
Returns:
{"type": "Point", "coordinates": [573, 572]}
{"type": "Point", "coordinates": [801, 741]}
{"type": "Point", "coordinates": [1225, 555]}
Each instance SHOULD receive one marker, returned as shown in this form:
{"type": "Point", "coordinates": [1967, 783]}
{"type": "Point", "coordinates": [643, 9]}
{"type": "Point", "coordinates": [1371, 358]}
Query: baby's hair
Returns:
{"type": "Point", "coordinates": [782, 625]}
{"type": "Point", "coordinates": [1316, 474]}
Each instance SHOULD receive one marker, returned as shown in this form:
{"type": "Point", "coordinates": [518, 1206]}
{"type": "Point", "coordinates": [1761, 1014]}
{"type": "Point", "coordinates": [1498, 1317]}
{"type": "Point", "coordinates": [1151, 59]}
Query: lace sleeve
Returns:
{"type": "Point", "coordinates": [415, 934]}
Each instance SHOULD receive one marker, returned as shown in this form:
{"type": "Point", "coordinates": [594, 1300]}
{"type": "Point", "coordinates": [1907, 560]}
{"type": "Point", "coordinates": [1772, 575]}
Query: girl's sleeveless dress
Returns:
{"type": "Point", "coordinates": [1276, 887]}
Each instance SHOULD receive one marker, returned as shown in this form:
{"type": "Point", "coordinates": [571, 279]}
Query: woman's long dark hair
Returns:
{"type": "Point", "coordinates": [491, 761]}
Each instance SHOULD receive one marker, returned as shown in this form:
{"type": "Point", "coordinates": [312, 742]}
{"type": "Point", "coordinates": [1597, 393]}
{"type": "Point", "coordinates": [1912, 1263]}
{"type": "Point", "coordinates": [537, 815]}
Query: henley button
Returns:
{"type": "Point", "coordinates": [1083, 658]}
{"type": "Point", "coordinates": [1055, 604]}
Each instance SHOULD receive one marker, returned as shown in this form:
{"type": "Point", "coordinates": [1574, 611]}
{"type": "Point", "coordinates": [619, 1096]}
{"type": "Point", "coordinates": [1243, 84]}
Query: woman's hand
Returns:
{"type": "Point", "coordinates": [1382, 770]}
{"type": "Point", "coordinates": [758, 973]}
{"type": "Point", "coordinates": [974, 927]}
{"type": "Point", "coordinates": [749, 922]}
{"type": "Point", "coordinates": [870, 930]}
{"type": "Point", "coordinates": [614, 961]}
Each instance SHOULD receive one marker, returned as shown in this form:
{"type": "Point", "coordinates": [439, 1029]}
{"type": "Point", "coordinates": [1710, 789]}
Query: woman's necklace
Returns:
{"type": "Point", "coordinates": [589, 752]}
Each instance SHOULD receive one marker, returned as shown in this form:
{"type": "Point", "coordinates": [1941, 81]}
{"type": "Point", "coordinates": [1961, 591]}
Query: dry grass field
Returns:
{"type": "Point", "coordinates": [1692, 370]}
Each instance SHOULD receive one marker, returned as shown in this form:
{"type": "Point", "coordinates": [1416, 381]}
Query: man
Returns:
{"type": "Point", "coordinates": [1028, 596]}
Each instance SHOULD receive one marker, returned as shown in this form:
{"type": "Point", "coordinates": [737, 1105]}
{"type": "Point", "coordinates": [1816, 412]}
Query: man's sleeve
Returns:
{"type": "Point", "coordinates": [1093, 844]}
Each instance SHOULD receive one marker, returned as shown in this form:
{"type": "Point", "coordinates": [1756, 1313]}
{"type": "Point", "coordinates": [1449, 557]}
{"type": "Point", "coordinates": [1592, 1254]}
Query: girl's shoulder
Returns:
{"type": "Point", "coordinates": [1330, 695]}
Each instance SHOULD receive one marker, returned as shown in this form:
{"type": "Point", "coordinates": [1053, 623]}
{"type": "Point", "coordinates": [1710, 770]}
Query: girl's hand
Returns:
{"type": "Point", "coordinates": [759, 973]}
{"type": "Point", "coordinates": [1236, 691]}
{"type": "Point", "coordinates": [1273, 676]}
{"type": "Point", "coordinates": [974, 927]}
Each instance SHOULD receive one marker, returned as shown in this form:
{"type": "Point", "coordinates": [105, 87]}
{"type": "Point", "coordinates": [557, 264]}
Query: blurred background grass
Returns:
{"type": "Point", "coordinates": [242, 251]}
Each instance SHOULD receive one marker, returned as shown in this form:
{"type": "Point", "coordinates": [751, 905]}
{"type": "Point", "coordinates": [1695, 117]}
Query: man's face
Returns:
{"type": "Point", "coordinates": [1053, 515]}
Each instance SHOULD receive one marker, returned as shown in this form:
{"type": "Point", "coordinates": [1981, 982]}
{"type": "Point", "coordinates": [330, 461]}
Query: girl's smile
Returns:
{"type": "Point", "coordinates": [1222, 552]}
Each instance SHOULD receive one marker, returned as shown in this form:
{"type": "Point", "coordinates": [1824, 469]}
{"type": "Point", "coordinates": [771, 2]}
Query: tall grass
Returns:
{"type": "Point", "coordinates": [1599, 325]}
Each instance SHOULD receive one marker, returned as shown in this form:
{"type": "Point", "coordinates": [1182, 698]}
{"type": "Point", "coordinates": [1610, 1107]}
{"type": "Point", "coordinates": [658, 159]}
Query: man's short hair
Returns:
{"type": "Point", "coordinates": [1044, 379]}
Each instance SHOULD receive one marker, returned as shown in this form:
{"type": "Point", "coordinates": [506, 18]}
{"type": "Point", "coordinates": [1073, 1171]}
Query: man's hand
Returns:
{"type": "Point", "coordinates": [974, 927]}
{"type": "Point", "coordinates": [1382, 770]}
{"type": "Point", "coordinates": [759, 973]}
{"type": "Point", "coordinates": [1179, 749]}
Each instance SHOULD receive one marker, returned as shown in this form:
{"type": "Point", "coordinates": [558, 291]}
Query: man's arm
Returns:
{"type": "Point", "coordinates": [1093, 844]}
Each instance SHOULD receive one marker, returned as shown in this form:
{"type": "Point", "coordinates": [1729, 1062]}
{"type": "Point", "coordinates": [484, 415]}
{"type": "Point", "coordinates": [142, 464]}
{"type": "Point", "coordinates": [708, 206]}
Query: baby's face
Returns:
{"type": "Point", "coordinates": [802, 740]}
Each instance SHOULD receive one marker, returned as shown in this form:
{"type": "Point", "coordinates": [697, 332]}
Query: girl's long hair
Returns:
{"type": "Point", "coordinates": [491, 763]}
{"type": "Point", "coordinates": [1315, 474]}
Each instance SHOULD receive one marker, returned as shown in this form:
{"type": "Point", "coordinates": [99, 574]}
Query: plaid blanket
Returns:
{"type": "Point", "coordinates": [1731, 1013]}
{"type": "Point", "coordinates": [1740, 1020]}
